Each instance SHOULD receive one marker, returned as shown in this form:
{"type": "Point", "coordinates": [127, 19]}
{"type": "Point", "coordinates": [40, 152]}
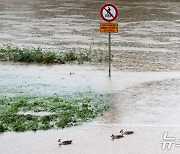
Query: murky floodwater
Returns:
{"type": "Point", "coordinates": [143, 101]}
{"type": "Point", "coordinates": [146, 102]}
{"type": "Point", "coordinates": [144, 27]}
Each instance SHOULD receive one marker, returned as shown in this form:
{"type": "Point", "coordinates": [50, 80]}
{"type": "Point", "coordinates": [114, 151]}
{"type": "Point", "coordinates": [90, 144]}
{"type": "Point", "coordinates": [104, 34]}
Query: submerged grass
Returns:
{"type": "Point", "coordinates": [9, 52]}
{"type": "Point", "coordinates": [18, 113]}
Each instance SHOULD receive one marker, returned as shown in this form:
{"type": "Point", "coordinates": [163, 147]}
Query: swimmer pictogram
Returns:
{"type": "Point", "coordinates": [109, 12]}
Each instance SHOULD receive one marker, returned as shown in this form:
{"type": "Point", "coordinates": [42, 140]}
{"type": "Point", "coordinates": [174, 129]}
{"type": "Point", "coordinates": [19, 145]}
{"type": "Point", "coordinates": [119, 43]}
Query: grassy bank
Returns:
{"type": "Point", "coordinates": [37, 113]}
{"type": "Point", "coordinates": [13, 53]}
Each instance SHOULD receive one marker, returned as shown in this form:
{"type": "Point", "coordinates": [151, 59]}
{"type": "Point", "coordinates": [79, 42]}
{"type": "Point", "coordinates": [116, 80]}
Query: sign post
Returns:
{"type": "Point", "coordinates": [109, 54]}
{"type": "Point", "coordinates": [109, 13]}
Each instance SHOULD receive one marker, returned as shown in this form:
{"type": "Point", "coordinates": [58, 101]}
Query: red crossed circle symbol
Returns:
{"type": "Point", "coordinates": [113, 17]}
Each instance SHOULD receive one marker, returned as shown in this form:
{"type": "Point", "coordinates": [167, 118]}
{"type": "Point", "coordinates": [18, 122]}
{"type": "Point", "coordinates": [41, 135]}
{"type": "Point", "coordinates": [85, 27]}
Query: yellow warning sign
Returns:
{"type": "Point", "coordinates": [109, 27]}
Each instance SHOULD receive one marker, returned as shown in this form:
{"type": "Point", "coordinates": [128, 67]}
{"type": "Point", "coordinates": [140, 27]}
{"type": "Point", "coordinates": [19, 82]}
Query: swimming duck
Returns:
{"type": "Point", "coordinates": [126, 132]}
{"type": "Point", "coordinates": [116, 136]}
{"type": "Point", "coordinates": [64, 142]}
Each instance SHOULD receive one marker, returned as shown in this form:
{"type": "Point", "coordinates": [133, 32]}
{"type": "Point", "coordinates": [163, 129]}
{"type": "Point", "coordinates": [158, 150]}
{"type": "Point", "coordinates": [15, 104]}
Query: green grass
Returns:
{"type": "Point", "coordinates": [9, 52]}
{"type": "Point", "coordinates": [63, 111]}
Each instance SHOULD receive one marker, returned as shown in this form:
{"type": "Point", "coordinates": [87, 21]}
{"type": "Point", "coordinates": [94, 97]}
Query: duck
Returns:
{"type": "Point", "coordinates": [126, 132]}
{"type": "Point", "coordinates": [116, 136]}
{"type": "Point", "coordinates": [64, 142]}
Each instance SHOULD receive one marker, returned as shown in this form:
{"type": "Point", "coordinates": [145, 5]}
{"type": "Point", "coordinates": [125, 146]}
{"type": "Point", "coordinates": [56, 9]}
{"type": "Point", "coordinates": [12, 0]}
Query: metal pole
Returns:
{"type": "Point", "coordinates": [109, 54]}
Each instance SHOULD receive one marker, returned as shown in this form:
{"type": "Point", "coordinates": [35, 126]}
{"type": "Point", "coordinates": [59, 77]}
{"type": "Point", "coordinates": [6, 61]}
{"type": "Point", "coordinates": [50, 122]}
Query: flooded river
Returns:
{"type": "Point", "coordinates": [146, 29]}
{"type": "Point", "coordinates": [146, 102]}
{"type": "Point", "coordinates": [145, 75]}
{"type": "Point", "coordinates": [60, 24]}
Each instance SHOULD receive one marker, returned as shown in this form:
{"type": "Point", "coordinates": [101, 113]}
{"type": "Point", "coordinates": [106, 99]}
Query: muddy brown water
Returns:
{"type": "Point", "coordinates": [146, 102]}
{"type": "Point", "coordinates": [61, 24]}
{"type": "Point", "coordinates": [146, 29]}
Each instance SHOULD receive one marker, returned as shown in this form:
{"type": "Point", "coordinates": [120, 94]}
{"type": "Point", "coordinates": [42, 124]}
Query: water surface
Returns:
{"type": "Point", "coordinates": [146, 102]}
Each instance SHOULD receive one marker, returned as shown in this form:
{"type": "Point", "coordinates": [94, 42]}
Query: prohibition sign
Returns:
{"type": "Point", "coordinates": [109, 12]}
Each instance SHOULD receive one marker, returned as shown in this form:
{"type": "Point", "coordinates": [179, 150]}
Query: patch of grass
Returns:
{"type": "Point", "coordinates": [9, 52]}
{"type": "Point", "coordinates": [63, 112]}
